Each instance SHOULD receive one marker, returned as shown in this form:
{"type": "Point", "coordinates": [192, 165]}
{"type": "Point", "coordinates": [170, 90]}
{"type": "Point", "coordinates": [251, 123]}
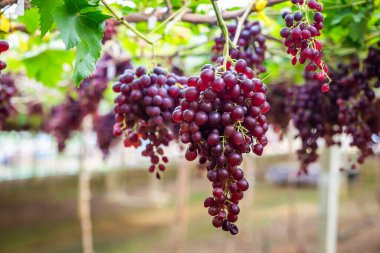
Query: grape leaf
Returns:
{"type": "Point", "coordinates": [31, 20]}
{"type": "Point", "coordinates": [47, 67]}
{"type": "Point", "coordinates": [81, 25]}
{"type": "Point", "coordinates": [46, 9]}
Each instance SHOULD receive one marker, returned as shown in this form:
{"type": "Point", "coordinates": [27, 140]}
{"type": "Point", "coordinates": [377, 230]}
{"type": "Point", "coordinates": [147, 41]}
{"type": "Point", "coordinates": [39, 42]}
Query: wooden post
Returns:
{"type": "Point", "coordinates": [290, 190]}
{"type": "Point", "coordinates": [84, 198]}
{"type": "Point", "coordinates": [322, 191]}
{"type": "Point", "coordinates": [249, 170]}
{"type": "Point", "coordinates": [180, 226]}
{"type": "Point", "coordinates": [333, 200]}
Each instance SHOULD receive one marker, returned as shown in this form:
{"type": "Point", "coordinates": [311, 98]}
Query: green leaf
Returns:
{"type": "Point", "coordinates": [47, 67]}
{"type": "Point", "coordinates": [46, 9]}
{"type": "Point", "coordinates": [357, 30]}
{"type": "Point", "coordinates": [81, 26]}
{"type": "Point", "coordinates": [31, 20]}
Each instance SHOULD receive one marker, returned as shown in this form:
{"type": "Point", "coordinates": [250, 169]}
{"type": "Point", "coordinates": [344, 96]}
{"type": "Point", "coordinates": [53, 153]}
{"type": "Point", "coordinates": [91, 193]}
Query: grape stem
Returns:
{"type": "Point", "coordinates": [168, 5]}
{"type": "Point", "coordinates": [128, 25]}
{"type": "Point", "coordinates": [223, 28]}
{"type": "Point", "coordinates": [241, 22]}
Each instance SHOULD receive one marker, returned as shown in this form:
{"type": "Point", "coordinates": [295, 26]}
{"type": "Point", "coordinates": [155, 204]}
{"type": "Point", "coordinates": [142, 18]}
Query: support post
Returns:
{"type": "Point", "coordinates": [84, 198]}
{"type": "Point", "coordinates": [335, 158]}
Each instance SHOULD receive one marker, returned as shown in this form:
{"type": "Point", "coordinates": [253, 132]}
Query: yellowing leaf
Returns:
{"type": "Point", "coordinates": [264, 18]}
{"type": "Point", "coordinates": [260, 5]}
{"type": "Point", "coordinates": [23, 44]}
{"type": "Point", "coordinates": [4, 24]}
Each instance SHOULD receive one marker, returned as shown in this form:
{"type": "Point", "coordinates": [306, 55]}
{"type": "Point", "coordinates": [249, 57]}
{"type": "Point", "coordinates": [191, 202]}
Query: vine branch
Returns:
{"type": "Point", "coordinates": [193, 17]}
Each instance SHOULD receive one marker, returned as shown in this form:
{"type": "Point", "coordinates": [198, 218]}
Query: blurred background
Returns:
{"type": "Point", "coordinates": [65, 189]}
{"type": "Point", "coordinates": [41, 194]}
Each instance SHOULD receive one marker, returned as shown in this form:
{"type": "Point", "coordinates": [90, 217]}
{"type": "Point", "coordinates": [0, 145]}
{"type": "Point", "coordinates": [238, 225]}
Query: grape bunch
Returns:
{"type": "Point", "coordinates": [103, 127]}
{"type": "Point", "coordinates": [64, 119]}
{"type": "Point", "coordinates": [308, 112]}
{"type": "Point", "coordinates": [350, 108]}
{"type": "Point", "coordinates": [143, 111]}
{"type": "Point", "coordinates": [278, 116]}
{"type": "Point", "coordinates": [222, 117]}
{"type": "Point", "coordinates": [91, 92]}
{"type": "Point", "coordinates": [7, 88]}
{"type": "Point", "coordinates": [251, 45]}
{"type": "Point", "coordinates": [359, 113]}
{"type": "Point", "coordinates": [300, 38]}
{"type": "Point", "coordinates": [30, 119]}
{"type": "Point", "coordinates": [88, 97]}
{"type": "Point", "coordinates": [361, 119]}
{"type": "Point", "coordinates": [110, 30]}
{"type": "Point", "coordinates": [7, 91]}
{"type": "Point", "coordinates": [4, 46]}
{"type": "Point", "coordinates": [372, 64]}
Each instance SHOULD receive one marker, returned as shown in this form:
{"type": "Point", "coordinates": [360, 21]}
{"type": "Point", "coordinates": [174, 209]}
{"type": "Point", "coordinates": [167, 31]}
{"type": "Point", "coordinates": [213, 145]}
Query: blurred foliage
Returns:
{"type": "Point", "coordinates": [63, 37]}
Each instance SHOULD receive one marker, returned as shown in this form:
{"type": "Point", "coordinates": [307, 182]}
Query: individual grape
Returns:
{"type": "Point", "coordinates": [4, 46]}
{"type": "Point", "coordinates": [110, 30]}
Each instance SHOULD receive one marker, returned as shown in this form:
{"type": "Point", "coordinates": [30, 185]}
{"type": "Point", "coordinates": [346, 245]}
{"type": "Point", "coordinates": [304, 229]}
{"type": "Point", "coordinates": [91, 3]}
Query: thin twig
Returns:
{"type": "Point", "coordinates": [242, 20]}
{"type": "Point", "coordinates": [168, 19]}
{"type": "Point", "coordinates": [168, 5]}
{"type": "Point", "coordinates": [125, 23]}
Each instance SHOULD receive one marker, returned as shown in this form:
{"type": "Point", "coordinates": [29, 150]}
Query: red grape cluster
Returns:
{"type": "Point", "coordinates": [251, 45]}
{"type": "Point", "coordinates": [103, 126]}
{"type": "Point", "coordinates": [278, 116]}
{"type": "Point", "coordinates": [110, 30]}
{"type": "Point", "coordinates": [308, 112]}
{"type": "Point", "coordinates": [30, 119]}
{"type": "Point", "coordinates": [222, 117]}
{"type": "Point", "coordinates": [4, 46]}
{"type": "Point", "coordinates": [359, 113]}
{"type": "Point", "coordinates": [300, 38]}
{"type": "Point", "coordinates": [143, 111]}
{"type": "Point", "coordinates": [64, 119]}
{"type": "Point", "coordinates": [351, 108]}
{"type": "Point", "coordinates": [372, 64]}
{"type": "Point", "coordinates": [7, 91]}
{"type": "Point", "coordinates": [91, 92]}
